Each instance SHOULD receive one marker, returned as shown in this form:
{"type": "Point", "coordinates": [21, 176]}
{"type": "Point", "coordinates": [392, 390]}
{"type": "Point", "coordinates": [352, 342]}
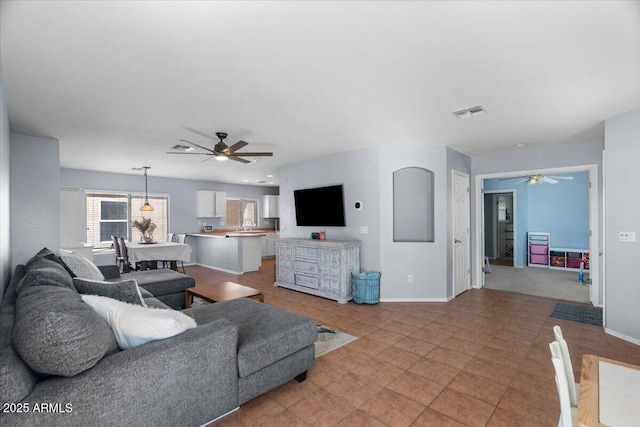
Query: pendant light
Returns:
{"type": "Point", "coordinates": [146, 207]}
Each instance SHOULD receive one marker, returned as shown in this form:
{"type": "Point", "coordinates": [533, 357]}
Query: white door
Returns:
{"type": "Point", "coordinates": [461, 233]}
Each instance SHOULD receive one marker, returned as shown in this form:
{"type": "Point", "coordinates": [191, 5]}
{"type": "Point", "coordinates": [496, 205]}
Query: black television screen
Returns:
{"type": "Point", "coordinates": [322, 206]}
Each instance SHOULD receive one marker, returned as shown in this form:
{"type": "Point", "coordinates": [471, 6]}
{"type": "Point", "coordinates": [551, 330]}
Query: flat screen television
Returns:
{"type": "Point", "coordinates": [320, 207]}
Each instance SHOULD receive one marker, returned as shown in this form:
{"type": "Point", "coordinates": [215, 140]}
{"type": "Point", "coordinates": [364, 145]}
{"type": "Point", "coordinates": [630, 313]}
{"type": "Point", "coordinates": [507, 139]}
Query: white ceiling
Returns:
{"type": "Point", "coordinates": [119, 83]}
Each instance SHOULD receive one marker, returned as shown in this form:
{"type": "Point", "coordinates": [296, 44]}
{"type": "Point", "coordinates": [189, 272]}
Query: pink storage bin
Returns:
{"type": "Point", "coordinates": [538, 259]}
{"type": "Point", "coordinates": [538, 249]}
{"type": "Point", "coordinates": [573, 262]}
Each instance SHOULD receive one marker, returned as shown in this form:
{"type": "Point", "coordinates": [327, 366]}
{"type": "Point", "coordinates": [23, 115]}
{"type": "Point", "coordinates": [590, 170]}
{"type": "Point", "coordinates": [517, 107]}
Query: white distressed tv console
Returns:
{"type": "Point", "coordinates": [317, 267]}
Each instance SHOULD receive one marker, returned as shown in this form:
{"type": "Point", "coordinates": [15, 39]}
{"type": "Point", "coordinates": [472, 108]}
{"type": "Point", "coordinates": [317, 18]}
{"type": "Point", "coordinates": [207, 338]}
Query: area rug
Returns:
{"type": "Point", "coordinates": [329, 339]}
{"type": "Point", "coordinates": [578, 313]}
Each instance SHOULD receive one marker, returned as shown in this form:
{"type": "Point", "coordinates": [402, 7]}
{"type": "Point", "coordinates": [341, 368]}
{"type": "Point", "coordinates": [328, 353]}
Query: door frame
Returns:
{"type": "Point", "coordinates": [514, 215]}
{"type": "Point", "coordinates": [594, 222]}
{"type": "Point", "coordinates": [467, 177]}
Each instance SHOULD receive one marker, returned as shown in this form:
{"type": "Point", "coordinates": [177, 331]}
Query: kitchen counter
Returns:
{"type": "Point", "coordinates": [230, 251]}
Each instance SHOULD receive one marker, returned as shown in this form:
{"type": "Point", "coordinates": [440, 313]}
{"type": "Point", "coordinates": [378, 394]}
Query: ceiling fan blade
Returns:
{"type": "Point", "coordinates": [560, 177]}
{"type": "Point", "coordinates": [522, 180]}
{"type": "Point", "coordinates": [513, 177]}
{"type": "Point", "coordinates": [248, 154]}
{"type": "Point", "coordinates": [549, 180]}
{"type": "Point", "coordinates": [238, 159]}
{"type": "Point", "coordinates": [235, 147]}
{"type": "Point", "coordinates": [196, 145]}
{"type": "Point", "coordinates": [182, 152]}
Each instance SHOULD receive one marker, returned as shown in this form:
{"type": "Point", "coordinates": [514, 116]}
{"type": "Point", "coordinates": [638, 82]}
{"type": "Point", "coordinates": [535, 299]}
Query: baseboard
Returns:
{"type": "Point", "coordinates": [415, 299]}
{"type": "Point", "coordinates": [622, 336]}
{"type": "Point", "coordinates": [237, 273]}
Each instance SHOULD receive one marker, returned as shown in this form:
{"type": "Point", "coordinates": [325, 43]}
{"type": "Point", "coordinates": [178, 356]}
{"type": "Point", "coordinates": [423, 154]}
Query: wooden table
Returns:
{"type": "Point", "coordinates": [609, 393]}
{"type": "Point", "coordinates": [221, 292]}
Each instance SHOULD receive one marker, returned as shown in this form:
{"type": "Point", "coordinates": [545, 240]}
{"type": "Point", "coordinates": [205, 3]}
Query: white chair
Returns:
{"type": "Point", "coordinates": [574, 389]}
{"type": "Point", "coordinates": [568, 415]}
{"type": "Point", "coordinates": [169, 237]}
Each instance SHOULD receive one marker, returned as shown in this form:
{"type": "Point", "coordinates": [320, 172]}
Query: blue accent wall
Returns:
{"type": "Point", "coordinates": [560, 209]}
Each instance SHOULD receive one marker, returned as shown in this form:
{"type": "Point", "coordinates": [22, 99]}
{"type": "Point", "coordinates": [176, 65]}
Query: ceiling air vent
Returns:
{"type": "Point", "coordinates": [468, 112]}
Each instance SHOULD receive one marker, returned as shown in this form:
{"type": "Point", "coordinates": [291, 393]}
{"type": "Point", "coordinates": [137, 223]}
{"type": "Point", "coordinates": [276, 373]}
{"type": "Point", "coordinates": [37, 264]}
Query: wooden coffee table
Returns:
{"type": "Point", "coordinates": [221, 292]}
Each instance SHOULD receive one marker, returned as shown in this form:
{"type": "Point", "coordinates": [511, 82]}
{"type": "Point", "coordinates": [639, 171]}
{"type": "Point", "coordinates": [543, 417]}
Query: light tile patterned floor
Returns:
{"type": "Point", "coordinates": [479, 360]}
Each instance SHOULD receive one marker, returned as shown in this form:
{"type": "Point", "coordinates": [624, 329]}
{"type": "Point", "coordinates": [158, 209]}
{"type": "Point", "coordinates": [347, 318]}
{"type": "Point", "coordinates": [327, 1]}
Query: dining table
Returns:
{"type": "Point", "coordinates": [140, 252]}
{"type": "Point", "coordinates": [609, 393]}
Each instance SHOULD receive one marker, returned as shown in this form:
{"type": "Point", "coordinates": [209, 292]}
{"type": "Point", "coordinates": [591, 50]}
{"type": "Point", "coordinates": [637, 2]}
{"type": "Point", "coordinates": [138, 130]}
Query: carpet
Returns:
{"type": "Point", "coordinates": [578, 313]}
{"type": "Point", "coordinates": [329, 339]}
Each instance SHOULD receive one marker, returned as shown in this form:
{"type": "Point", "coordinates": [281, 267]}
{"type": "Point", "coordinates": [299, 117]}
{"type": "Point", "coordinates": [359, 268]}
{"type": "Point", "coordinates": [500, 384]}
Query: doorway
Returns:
{"type": "Point", "coordinates": [499, 224]}
{"type": "Point", "coordinates": [592, 245]}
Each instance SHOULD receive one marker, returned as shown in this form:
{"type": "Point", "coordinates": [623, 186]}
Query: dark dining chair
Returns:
{"type": "Point", "coordinates": [119, 258]}
{"type": "Point", "coordinates": [126, 268]}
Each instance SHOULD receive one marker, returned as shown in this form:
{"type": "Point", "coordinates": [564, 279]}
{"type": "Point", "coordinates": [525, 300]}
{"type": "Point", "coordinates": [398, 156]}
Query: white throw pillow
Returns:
{"type": "Point", "coordinates": [80, 266]}
{"type": "Point", "coordinates": [134, 325]}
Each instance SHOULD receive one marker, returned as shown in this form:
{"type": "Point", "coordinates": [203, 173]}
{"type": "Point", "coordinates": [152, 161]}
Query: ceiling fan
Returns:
{"type": "Point", "coordinates": [537, 179]}
{"type": "Point", "coordinates": [222, 151]}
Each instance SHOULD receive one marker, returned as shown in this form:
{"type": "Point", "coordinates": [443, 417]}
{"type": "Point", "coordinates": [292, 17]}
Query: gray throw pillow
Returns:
{"type": "Point", "coordinates": [56, 333]}
{"type": "Point", "coordinates": [44, 272]}
{"type": "Point", "coordinates": [125, 291]}
{"type": "Point", "coordinates": [80, 266]}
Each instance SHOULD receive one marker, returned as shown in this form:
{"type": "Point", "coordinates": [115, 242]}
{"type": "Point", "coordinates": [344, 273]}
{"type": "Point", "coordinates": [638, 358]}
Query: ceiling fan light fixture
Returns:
{"type": "Point", "coordinates": [220, 157]}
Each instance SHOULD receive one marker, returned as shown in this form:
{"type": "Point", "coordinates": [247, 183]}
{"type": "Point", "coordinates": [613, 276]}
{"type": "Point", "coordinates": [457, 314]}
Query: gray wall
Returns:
{"type": "Point", "coordinates": [426, 261]}
{"type": "Point", "coordinates": [358, 172]}
{"type": "Point", "coordinates": [622, 175]}
{"type": "Point", "coordinates": [35, 196]}
{"type": "Point", "coordinates": [5, 193]}
{"type": "Point", "coordinates": [367, 175]}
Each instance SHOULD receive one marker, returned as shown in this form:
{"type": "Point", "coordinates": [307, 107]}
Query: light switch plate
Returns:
{"type": "Point", "coordinates": [627, 236]}
{"type": "Point", "coordinates": [364, 230]}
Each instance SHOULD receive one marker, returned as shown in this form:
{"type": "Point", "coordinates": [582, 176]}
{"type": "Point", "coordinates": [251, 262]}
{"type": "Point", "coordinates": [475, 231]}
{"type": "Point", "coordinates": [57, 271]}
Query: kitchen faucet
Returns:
{"type": "Point", "coordinates": [251, 223]}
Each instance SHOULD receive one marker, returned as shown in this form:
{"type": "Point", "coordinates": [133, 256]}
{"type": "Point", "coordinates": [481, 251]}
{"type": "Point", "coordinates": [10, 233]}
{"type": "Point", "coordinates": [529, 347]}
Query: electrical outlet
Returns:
{"type": "Point", "coordinates": [283, 227]}
{"type": "Point", "coordinates": [627, 236]}
{"type": "Point", "coordinates": [410, 279]}
{"type": "Point", "coordinates": [364, 229]}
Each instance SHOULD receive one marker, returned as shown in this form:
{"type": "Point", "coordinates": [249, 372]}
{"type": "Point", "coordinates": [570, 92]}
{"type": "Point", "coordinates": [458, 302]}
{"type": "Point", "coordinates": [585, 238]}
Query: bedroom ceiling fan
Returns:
{"type": "Point", "coordinates": [537, 179]}
{"type": "Point", "coordinates": [222, 151]}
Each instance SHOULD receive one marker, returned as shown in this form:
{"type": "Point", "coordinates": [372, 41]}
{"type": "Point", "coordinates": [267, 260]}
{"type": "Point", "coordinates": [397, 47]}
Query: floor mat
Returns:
{"type": "Point", "coordinates": [578, 313]}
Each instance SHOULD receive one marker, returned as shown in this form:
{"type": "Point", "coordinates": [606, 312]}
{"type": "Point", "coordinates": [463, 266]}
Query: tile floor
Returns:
{"type": "Point", "coordinates": [481, 359]}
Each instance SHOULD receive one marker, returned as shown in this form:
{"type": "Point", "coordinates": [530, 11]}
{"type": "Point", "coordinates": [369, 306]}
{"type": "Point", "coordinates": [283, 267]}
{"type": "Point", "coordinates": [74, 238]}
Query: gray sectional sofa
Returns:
{"type": "Point", "coordinates": [60, 363]}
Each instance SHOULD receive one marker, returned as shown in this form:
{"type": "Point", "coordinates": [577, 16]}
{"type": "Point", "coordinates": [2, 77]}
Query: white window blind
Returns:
{"type": "Point", "coordinates": [111, 214]}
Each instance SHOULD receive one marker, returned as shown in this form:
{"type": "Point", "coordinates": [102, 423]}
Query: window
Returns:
{"type": "Point", "coordinates": [242, 212]}
{"type": "Point", "coordinates": [111, 214]}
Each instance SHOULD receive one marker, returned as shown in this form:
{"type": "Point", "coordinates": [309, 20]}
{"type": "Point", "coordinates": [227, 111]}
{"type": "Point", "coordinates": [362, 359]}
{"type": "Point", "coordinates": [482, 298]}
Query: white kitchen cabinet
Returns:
{"type": "Point", "coordinates": [272, 238]}
{"type": "Point", "coordinates": [211, 204]}
{"type": "Point", "coordinates": [317, 267]}
{"type": "Point", "coordinates": [270, 206]}
{"type": "Point", "coordinates": [268, 245]}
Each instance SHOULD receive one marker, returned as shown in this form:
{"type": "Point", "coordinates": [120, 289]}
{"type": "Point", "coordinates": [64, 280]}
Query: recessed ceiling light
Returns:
{"type": "Point", "coordinates": [245, 180]}
{"type": "Point", "coordinates": [269, 176]}
{"type": "Point", "coordinates": [520, 145]}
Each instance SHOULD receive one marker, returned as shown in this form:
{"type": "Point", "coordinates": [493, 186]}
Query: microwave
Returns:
{"type": "Point", "coordinates": [207, 228]}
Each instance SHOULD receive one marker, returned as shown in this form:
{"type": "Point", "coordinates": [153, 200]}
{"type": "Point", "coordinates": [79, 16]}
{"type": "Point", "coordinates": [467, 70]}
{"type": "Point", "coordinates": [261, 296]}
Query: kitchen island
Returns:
{"type": "Point", "coordinates": [234, 252]}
